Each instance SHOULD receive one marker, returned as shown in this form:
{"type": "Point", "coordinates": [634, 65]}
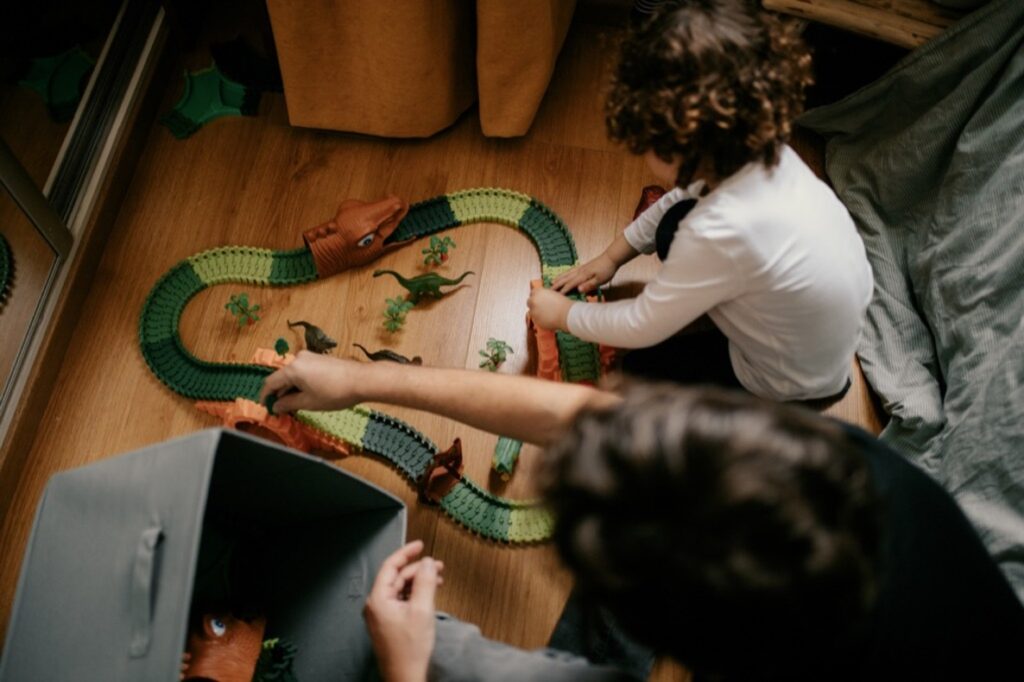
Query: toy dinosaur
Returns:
{"type": "Point", "coordinates": [316, 340]}
{"type": "Point", "coordinates": [389, 355]}
{"type": "Point", "coordinates": [424, 285]}
{"type": "Point", "coordinates": [225, 648]}
{"type": "Point", "coordinates": [357, 234]}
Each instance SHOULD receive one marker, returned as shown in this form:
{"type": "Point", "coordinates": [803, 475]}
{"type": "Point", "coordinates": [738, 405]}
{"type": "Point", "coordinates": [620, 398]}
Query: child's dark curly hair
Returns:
{"type": "Point", "coordinates": [715, 77]}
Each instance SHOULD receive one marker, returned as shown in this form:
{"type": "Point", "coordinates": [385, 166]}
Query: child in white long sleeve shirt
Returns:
{"type": "Point", "coordinates": [769, 254]}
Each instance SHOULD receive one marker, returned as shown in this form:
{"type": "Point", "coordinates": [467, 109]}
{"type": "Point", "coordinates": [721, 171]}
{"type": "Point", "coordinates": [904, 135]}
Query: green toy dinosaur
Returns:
{"type": "Point", "coordinates": [424, 285]}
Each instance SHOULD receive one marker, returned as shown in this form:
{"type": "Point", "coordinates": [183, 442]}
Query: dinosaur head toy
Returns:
{"type": "Point", "coordinates": [225, 648]}
{"type": "Point", "coordinates": [357, 235]}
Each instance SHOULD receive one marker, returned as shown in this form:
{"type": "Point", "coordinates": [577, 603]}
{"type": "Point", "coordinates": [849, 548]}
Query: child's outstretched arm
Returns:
{"type": "Point", "coordinates": [598, 271]}
{"type": "Point", "coordinates": [524, 408]}
{"type": "Point", "coordinates": [637, 238]}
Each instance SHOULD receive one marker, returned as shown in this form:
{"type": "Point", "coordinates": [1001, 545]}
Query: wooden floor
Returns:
{"type": "Point", "coordinates": [257, 181]}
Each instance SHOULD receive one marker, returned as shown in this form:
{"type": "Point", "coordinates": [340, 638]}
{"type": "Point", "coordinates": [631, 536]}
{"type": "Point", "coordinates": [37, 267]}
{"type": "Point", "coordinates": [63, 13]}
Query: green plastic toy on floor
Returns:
{"type": "Point", "coordinates": [421, 286]}
{"type": "Point", "coordinates": [60, 80]}
{"type": "Point", "coordinates": [209, 95]}
{"type": "Point", "coordinates": [358, 234]}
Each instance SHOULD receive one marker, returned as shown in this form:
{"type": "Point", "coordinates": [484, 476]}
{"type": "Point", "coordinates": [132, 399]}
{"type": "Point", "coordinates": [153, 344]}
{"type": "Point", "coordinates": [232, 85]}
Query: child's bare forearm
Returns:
{"type": "Point", "coordinates": [519, 407]}
{"type": "Point", "coordinates": [621, 251]}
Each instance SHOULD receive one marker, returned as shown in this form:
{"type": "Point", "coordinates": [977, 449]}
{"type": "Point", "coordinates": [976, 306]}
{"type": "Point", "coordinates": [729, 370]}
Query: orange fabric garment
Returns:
{"type": "Point", "coordinates": [410, 68]}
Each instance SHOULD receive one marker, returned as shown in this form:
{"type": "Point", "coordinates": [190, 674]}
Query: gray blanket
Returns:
{"type": "Point", "coordinates": [930, 162]}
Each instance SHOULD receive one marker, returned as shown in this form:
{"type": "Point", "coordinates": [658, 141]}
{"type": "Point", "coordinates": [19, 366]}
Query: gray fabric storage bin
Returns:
{"type": "Point", "coordinates": [106, 582]}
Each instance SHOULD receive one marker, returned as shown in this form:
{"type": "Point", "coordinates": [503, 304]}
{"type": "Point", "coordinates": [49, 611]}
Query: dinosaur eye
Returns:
{"type": "Point", "coordinates": [218, 627]}
{"type": "Point", "coordinates": [366, 241]}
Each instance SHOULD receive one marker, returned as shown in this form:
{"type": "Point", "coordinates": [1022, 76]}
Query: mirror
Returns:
{"type": "Point", "coordinates": [49, 50]}
{"type": "Point", "coordinates": [27, 262]}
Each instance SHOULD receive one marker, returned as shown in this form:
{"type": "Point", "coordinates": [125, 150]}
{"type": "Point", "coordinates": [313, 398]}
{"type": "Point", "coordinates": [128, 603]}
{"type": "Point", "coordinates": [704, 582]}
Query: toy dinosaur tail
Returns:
{"type": "Point", "coordinates": [300, 323]}
{"type": "Point", "coordinates": [461, 277]}
{"type": "Point", "coordinates": [378, 273]}
{"type": "Point", "coordinates": [366, 352]}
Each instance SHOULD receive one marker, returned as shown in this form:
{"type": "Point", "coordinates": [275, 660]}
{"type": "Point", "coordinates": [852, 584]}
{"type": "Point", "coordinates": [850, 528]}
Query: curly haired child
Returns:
{"type": "Point", "coordinates": [707, 91]}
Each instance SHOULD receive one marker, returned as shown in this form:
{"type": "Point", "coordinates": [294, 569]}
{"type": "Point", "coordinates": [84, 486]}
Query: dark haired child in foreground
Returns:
{"type": "Point", "coordinates": [746, 539]}
{"type": "Point", "coordinates": [707, 91]}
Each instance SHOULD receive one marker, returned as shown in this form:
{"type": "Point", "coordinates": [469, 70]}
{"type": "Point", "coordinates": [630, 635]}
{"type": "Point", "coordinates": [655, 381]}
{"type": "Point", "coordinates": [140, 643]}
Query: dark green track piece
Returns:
{"type": "Point", "coordinates": [209, 95]}
{"type": "Point", "coordinates": [60, 80]}
{"type": "Point", "coordinates": [292, 267]}
{"type": "Point", "coordinates": [549, 234]}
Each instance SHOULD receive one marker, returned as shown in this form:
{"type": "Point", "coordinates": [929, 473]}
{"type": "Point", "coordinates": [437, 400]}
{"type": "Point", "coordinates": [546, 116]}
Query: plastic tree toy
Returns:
{"type": "Point", "coordinates": [281, 347]}
{"type": "Point", "coordinates": [394, 315]}
{"type": "Point", "coordinates": [496, 354]}
{"type": "Point", "coordinates": [437, 252]}
{"type": "Point", "coordinates": [317, 340]}
{"type": "Point", "coordinates": [243, 311]}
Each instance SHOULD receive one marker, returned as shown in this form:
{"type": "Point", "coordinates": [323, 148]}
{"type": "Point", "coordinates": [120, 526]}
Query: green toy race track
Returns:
{"type": "Point", "coordinates": [372, 431]}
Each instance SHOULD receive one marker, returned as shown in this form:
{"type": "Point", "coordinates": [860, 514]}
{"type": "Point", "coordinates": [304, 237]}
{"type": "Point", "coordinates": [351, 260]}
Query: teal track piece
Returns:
{"type": "Point", "coordinates": [208, 95]}
{"type": "Point", "coordinates": [402, 445]}
{"type": "Point", "coordinates": [506, 454]}
{"type": "Point", "coordinates": [60, 80]}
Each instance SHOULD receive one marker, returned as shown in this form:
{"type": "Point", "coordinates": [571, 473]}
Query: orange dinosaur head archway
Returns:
{"type": "Point", "coordinates": [356, 235]}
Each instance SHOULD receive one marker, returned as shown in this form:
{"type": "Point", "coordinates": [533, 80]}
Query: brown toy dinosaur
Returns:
{"type": "Point", "coordinates": [356, 235]}
{"type": "Point", "coordinates": [385, 354]}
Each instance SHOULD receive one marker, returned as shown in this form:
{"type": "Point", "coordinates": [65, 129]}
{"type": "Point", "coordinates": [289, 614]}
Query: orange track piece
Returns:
{"type": "Point", "coordinates": [547, 347]}
{"type": "Point", "coordinates": [244, 415]}
{"type": "Point", "coordinates": [270, 358]}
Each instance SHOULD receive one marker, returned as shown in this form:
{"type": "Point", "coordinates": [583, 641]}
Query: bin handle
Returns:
{"type": "Point", "coordinates": [143, 590]}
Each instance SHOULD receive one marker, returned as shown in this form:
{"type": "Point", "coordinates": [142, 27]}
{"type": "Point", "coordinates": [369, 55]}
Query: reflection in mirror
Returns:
{"type": "Point", "coordinates": [47, 52]}
{"type": "Point", "coordinates": [29, 261]}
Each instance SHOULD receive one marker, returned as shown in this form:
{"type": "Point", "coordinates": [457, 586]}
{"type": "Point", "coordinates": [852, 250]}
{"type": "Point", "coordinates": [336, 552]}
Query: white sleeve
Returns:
{"type": "Point", "coordinates": [640, 233]}
{"type": "Point", "coordinates": [699, 273]}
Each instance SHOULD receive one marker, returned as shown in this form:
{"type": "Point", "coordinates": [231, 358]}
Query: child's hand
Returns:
{"type": "Point", "coordinates": [586, 277]}
{"type": "Point", "coordinates": [400, 614]}
{"type": "Point", "coordinates": [549, 309]}
{"type": "Point", "coordinates": [315, 382]}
